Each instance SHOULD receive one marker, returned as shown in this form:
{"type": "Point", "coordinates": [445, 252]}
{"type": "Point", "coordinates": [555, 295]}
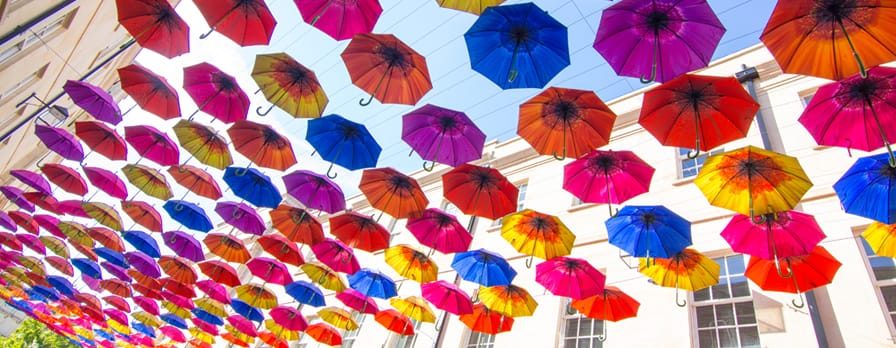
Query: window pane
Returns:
{"type": "Point", "coordinates": [584, 327]}
{"type": "Point", "coordinates": [739, 286]}
{"type": "Point", "coordinates": [736, 264]}
{"type": "Point", "coordinates": [707, 338]}
{"type": "Point", "coordinates": [569, 343]}
{"type": "Point", "coordinates": [723, 271]}
{"type": "Point", "coordinates": [889, 295]}
{"type": "Point", "coordinates": [749, 337]}
{"type": "Point", "coordinates": [720, 290]}
{"type": "Point", "coordinates": [572, 326]}
{"type": "Point", "coordinates": [746, 314]}
{"type": "Point", "coordinates": [728, 338]}
{"type": "Point", "coordinates": [584, 343]}
{"type": "Point", "coordinates": [883, 267]}
{"type": "Point", "coordinates": [701, 295]}
{"type": "Point", "coordinates": [705, 317]}
{"type": "Point", "coordinates": [725, 315]}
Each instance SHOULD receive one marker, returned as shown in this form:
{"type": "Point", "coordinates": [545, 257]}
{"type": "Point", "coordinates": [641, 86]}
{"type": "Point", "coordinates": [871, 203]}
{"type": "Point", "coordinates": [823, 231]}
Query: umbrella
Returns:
{"type": "Point", "coordinates": [76, 233]}
{"type": "Point", "coordinates": [118, 302]}
{"type": "Point", "coordinates": [831, 40]}
{"type": "Point", "coordinates": [288, 85]}
{"type": "Point", "coordinates": [486, 321]}
{"type": "Point", "coordinates": [442, 135]}
{"type": "Point", "coordinates": [343, 142]}
{"type": "Point", "coordinates": [807, 272]}
{"type": "Point", "coordinates": [305, 293]}
{"type": "Point", "coordinates": [45, 202]}
{"type": "Point", "coordinates": [281, 249]}
{"type": "Point", "coordinates": [338, 317]}
{"type": "Point", "coordinates": [508, 300]}
{"type": "Point", "coordinates": [856, 112]}
{"type": "Point", "coordinates": [610, 177]}
{"type": "Point", "coordinates": [440, 231]}
{"type": "Point", "coordinates": [257, 295]}
{"type": "Point", "coordinates": [143, 242]}
{"type": "Point", "coordinates": [447, 297]}
{"type": "Point", "coordinates": [411, 264]}
{"type": "Point", "coordinates": [565, 122]}
{"type": "Point", "coordinates": [246, 311]}
{"type": "Point", "coordinates": [227, 247]}
{"type": "Point", "coordinates": [214, 290]}
{"type": "Point", "coordinates": [373, 283]}
{"type": "Point", "coordinates": [104, 214]}
{"type": "Point", "coordinates": [689, 270]}
{"type": "Point", "coordinates": [281, 331]}
{"type": "Point", "coordinates": [72, 207]}
{"type": "Point", "coordinates": [414, 307]}
{"type": "Point", "coordinates": [174, 320]}
{"type": "Point", "coordinates": [55, 245]}
{"type": "Point", "coordinates": [269, 270]}
{"type": "Point", "coordinates": [93, 99]}
{"type": "Point", "coordinates": [392, 192]}
{"type": "Point", "coordinates": [87, 267]}
{"type": "Point", "coordinates": [752, 181]}
{"type": "Point", "coordinates": [65, 178]}
{"type": "Point", "coordinates": [483, 267]}
{"type": "Point", "coordinates": [242, 325]}
{"type": "Point", "coordinates": [220, 272]}
{"type": "Point", "coordinates": [189, 215]}
{"type": "Point", "coordinates": [32, 179]}
{"type": "Point", "coordinates": [148, 180]}
{"type": "Point", "coordinates": [570, 277]}
{"type": "Point", "coordinates": [32, 242]}
{"type": "Point", "coordinates": [247, 23]}
{"type": "Point", "coordinates": [24, 221]}
{"type": "Point", "coordinates": [178, 268]}
{"type": "Point", "coordinates": [359, 231]}
{"type": "Point", "coordinates": [102, 139]}
{"type": "Point", "coordinates": [108, 238]}
{"type": "Point", "coordinates": [296, 225]}
{"type": "Point", "coordinates": [184, 244]}
{"type": "Point", "coordinates": [717, 109]}
{"type": "Point", "coordinates": [336, 255]}
{"type": "Point", "coordinates": [6, 222]}
{"type": "Point", "coordinates": [658, 41]}
{"type": "Point", "coordinates": [143, 263]}
{"type": "Point", "coordinates": [537, 235]}
{"type": "Point", "coordinates": [395, 322]}
{"type": "Point", "coordinates": [387, 68]}
{"type": "Point", "coordinates": [152, 144]}
{"type": "Point", "coordinates": [106, 181]}
{"type": "Point", "coordinates": [145, 317]}
{"type": "Point", "coordinates": [315, 191]}
{"type": "Point", "coordinates": [196, 180]}
{"type": "Point", "coordinates": [289, 318]}
{"type": "Point", "coordinates": [323, 275]}
{"type": "Point", "coordinates": [878, 236]}
{"type": "Point", "coordinates": [253, 186]}
{"type": "Point", "coordinates": [480, 191]}
{"type": "Point", "coordinates": [143, 214]}
{"type": "Point", "coordinates": [341, 20]}
{"type": "Point", "coordinates": [112, 256]}
{"type": "Point", "coordinates": [149, 90]}
{"type": "Point", "coordinates": [60, 141]}
{"type": "Point", "coordinates": [155, 25]}
{"type": "Point", "coordinates": [475, 7]}
{"type": "Point", "coordinates": [517, 46]}
{"type": "Point", "coordinates": [868, 189]}
{"type": "Point", "coordinates": [324, 333]}
{"type": "Point", "coordinates": [15, 195]}
{"type": "Point", "coordinates": [10, 241]}
{"type": "Point", "coordinates": [215, 93]}
{"type": "Point", "coordinates": [201, 314]}
{"type": "Point", "coordinates": [358, 302]}
{"type": "Point", "coordinates": [649, 231]}
{"type": "Point", "coordinates": [241, 216]}
{"type": "Point", "coordinates": [778, 235]}
{"type": "Point", "coordinates": [180, 289]}
{"type": "Point", "coordinates": [262, 145]}
{"type": "Point", "coordinates": [203, 143]}
{"type": "Point", "coordinates": [61, 284]}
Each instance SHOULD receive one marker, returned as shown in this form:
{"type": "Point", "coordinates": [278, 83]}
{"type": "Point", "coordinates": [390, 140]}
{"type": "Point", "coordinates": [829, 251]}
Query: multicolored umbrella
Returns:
{"type": "Point", "coordinates": [306, 293]}
{"type": "Point", "coordinates": [610, 177]}
{"type": "Point", "coordinates": [155, 25]}
{"type": "Point", "coordinates": [508, 300]}
{"type": "Point", "coordinates": [570, 277]}
{"type": "Point", "coordinates": [778, 235]}
{"type": "Point", "coordinates": [483, 267]}
{"type": "Point", "coordinates": [323, 275]}
{"type": "Point", "coordinates": [104, 214]}
{"type": "Point", "coordinates": [343, 20]}
{"type": "Point", "coordinates": [296, 225]}
{"type": "Point", "coordinates": [475, 7]}
{"type": "Point", "coordinates": [196, 180]}
{"type": "Point", "coordinates": [879, 238]}
{"type": "Point", "coordinates": [688, 270]}
{"type": "Point", "coordinates": [253, 186]}
{"type": "Point", "coordinates": [65, 178]}
{"type": "Point", "coordinates": [565, 122]}
{"type": "Point", "coordinates": [537, 235]}
{"type": "Point", "coordinates": [150, 91]}
{"type": "Point", "coordinates": [359, 231]}
{"type": "Point", "coordinates": [32, 179]}
{"type": "Point", "coordinates": [343, 142]}
{"type": "Point", "coordinates": [281, 249]}
{"type": "Point", "coordinates": [189, 215]}
{"type": "Point", "coordinates": [288, 85]}
{"type": "Point", "coordinates": [262, 145]}
{"type": "Point", "coordinates": [203, 143]}
{"type": "Point", "coordinates": [411, 264]}
{"type": "Point", "coordinates": [480, 191]}
{"type": "Point", "coordinates": [447, 297]}
{"type": "Point", "coordinates": [215, 93]}
{"type": "Point", "coordinates": [60, 141]}
{"type": "Point", "coordinates": [442, 135]}
{"type": "Point", "coordinates": [257, 295]}
{"type": "Point", "coordinates": [324, 333]}
{"type": "Point", "coordinates": [152, 144]}
{"type": "Point", "coordinates": [184, 245]}
{"type": "Point", "coordinates": [241, 216]}
{"type": "Point", "coordinates": [387, 68]}
{"type": "Point", "coordinates": [148, 180]}
{"type": "Point", "coordinates": [807, 272]}
{"type": "Point", "coordinates": [392, 192]}
{"type": "Point", "coordinates": [247, 23]}
{"type": "Point", "coordinates": [649, 231]}
{"type": "Point", "coordinates": [94, 100]}
{"type": "Point", "coordinates": [484, 320]}
{"type": "Point", "coordinates": [227, 247]}
{"type": "Point", "coordinates": [143, 214]}
{"type": "Point", "coordinates": [336, 255]}
{"type": "Point", "coordinates": [867, 189]}
{"type": "Point", "coordinates": [658, 42]}
{"type": "Point", "coordinates": [269, 270]}
{"type": "Point", "coordinates": [518, 46]}
{"type": "Point", "coordinates": [440, 231]}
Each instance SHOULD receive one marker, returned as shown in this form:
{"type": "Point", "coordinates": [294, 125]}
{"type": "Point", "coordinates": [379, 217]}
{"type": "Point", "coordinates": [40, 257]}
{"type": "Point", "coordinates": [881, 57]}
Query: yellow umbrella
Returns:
{"type": "Point", "coordinates": [119, 327]}
{"type": "Point", "coordinates": [881, 238]}
{"type": "Point", "coordinates": [149, 180]}
{"type": "Point", "coordinates": [472, 6]}
{"type": "Point", "coordinates": [242, 336]}
{"type": "Point", "coordinates": [280, 331]}
{"type": "Point", "coordinates": [203, 336]}
{"type": "Point", "coordinates": [753, 181]}
{"type": "Point", "coordinates": [323, 275]}
{"type": "Point", "coordinates": [411, 263]}
{"type": "Point", "coordinates": [147, 319]}
{"type": "Point", "coordinates": [338, 317]}
{"type": "Point", "coordinates": [256, 295]}
{"type": "Point", "coordinates": [414, 307]}
{"type": "Point", "coordinates": [177, 310]}
{"type": "Point", "coordinates": [688, 270]}
{"type": "Point", "coordinates": [508, 300]}
{"type": "Point", "coordinates": [76, 233]}
{"type": "Point", "coordinates": [56, 245]}
{"type": "Point", "coordinates": [288, 85]}
{"type": "Point", "coordinates": [33, 264]}
{"type": "Point", "coordinates": [104, 214]}
{"type": "Point", "coordinates": [211, 306]}
{"type": "Point", "coordinates": [537, 235]}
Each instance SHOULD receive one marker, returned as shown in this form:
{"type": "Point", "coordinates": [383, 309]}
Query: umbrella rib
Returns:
{"type": "Point", "coordinates": [864, 29]}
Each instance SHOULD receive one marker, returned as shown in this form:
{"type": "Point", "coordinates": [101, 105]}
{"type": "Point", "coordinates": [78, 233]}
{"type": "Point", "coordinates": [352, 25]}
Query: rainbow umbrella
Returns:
{"type": "Point", "coordinates": [288, 85]}
{"type": "Point", "coordinates": [565, 122]}
{"type": "Point", "coordinates": [336, 255]}
{"type": "Point", "coordinates": [143, 214]}
{"type": "Point", "coordinates": [777, 236]}
{"type": "Point", "coordinates": [508, 300]}
{"type": "Point", "coordinates": [60, 141]}
{"type": "Point", "coordinates": [296, 225]}
{"type": "Point", "coordinates": [868, 189]}
{"type": "Point", "coordinates": [411, 264]}
{"type": "Point", "coordinates": [358, 302]}
{"type": "Point", "coordinates": [94, 100]}
{"type": "Point", "coordinates": [475, 7]}
{"type": "Point", "coordinates": [343, 142]}
{"type": "Point", "coordinates": [338, 317]}
{"type": "Point", "coordinates": [807, 272]}
{"type": "Point", "coordinates": [610, 177]}
{"type": "Point", "coordinates": [269, 270]}
{"type": "Point", "coordinates": [32, 179]}
{"type": "Point", "coordinates": [189, 215]}
{"type": "Point", "coordinates": [442, 135]}
{"type": "Point", "coordinates": [537, 235]}
{"type": "Point", "coordinates": [395, 322]}
{"type": "Point", "coordinates": [106, 181]}
{"type": "Point", "coordinates": [150, 91]}
{"type": "Point", "coordinates": [392, 192]}
{"type": "Point", "coordinates": [104, 214]}
{"type": "Point", "coordinates": [257, 295]}
{"type": "Point", "coordinates": [184, 244]}
{"type": "Point", "coordinates": [203, 143]}
{"type": "Point", "coordinates": [241, 216]}
{"type": "Point", "coordinates": [440, 231]}
{"type": "Point", "coordinates": [688, 270]}
{"type": "Point", "coordinates": [152, 144]}
{"type": "Point", "coordinates": [143, 242]}
{"type": "Point", "coordinates": [878, 236]}
{"type": "Point", "coordinates": [253, 186]}
{"type": "Point", "coordinates": [483, 267]}
{"type": "Point", "coordinates": [245, 22]}
{"type": "Point", "coordinates": [343, 20]}
{"type": "Point", "coordinates": [315, 191]}
{"type": "Point", "coordinates": [262, 145]}
{"type": "Point", "coordinates": [570, 277]}
{"type": "Point", "coordinates": [306, 293]}
{"type": "Point", "coordinates": [215, 93]}
{"type": "Point", "coordinates": [281, 249]}
{"type": "Point", "coordinates": [359, 231]}
{"type": "Point", "coordinates": [65, 178]}
{"type": "Point", "coordinates": [414, 307]}
{"type": "Point", "coordinates": [148, 180]}
{"type": "Point", "coordinates": [373, 283]}
{"type": "Point", "coordinates": [610, 305]}
{"type": "Point", "coordinates": [484, 320]}
{"type": "Point", "coordinates": [649, 231]}
{"type": "Point", "coordinates": [447, 297]}
{"type": "Point", "coordinates": [227, 247]}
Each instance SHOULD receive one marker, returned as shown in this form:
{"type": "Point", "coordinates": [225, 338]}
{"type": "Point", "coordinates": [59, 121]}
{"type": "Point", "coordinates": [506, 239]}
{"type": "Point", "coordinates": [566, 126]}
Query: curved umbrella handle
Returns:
{"type": "Point", "coordinates": [680, 302]}
{"type": "Point", "coordinates": [529, 261]}
{"type": "Point", "coordinates": [610, 209]}
{"type": "Point", "coordinates": [603, 334]}
{"type": "Point", "coordinates": [694, 154]}
{"type": "Point", "coordinates": [39, 162]}
{"type": "Point", "coordinates": [429, 165]}
{"type": "Point", "coordinates": [366, 102]}
{"type": "Point", "coordinates": [207, 34]}
{"type": "Point", "coordinates": [241, 171]}
{"type": "Point", "coordinates": [265, 113]}
{"type": "Point", "coordinates": [892, 158]}
{"type": "Point", "coordinates": [330, 173]}
{"type": "Point", "coordinates": [801, 303]}
{"type": "Point", "coordinates": [656, 52]}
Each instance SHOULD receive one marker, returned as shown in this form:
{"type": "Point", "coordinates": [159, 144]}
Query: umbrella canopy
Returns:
{"type": "Point", "coordinates": [610, 177]}
{"type": "Point", "coordinates": [257, 295]}
{"type": "Point", "coordinates": [6, 222]}
{"type": "Point", "coordinates": [688, 270]}
{"type": "Point", "coordinates": [807, 272]}
{"type": "Point", "coordinates": [442, 135]}
{"type": "Point", "coordinates": [440, 231]}
{"type": "Point", "coordinates": [104, 214]}
{"type": "Point", "coordinates": [184, 244]}
{"type": "Point", "coordinates": [32, 242]}
{"type": "Point", "coordinates": [150, 91]}
{"type": "Point", "coordinates": [24, 221]}
{"type": "Point", "coordinates": [395, 322]}
{"type": "Point", "coordinates": [753, 181]}
{"type": "Point", "coordinates": [315, 191]}
{"type": "Point", "coordinates": [93, 99]}
{"type": "Point", "coordinates": [243, 325]}
{"type": "Point", "coordinates": [537, 234]}
{"type": "Point", "coordinates": [336, 255]}
{"type": "Point", "coordinates": [373, 283]}
{"type": "Point", "coordinates": [296, 225]}
{"type": "Point", "coordinates": [143, 214]}
{"type": "Point", "coordinates": [253, 186]}
{"type": "Point", "coordinates": [393, 192]}
{"type": "Point", "coordinates": [387, 68]}
{"type": "Point", "coordinates": [324, 333]}
{"type": "Point", "coordinates": [65, 178]}
{"type": "Point", "coordinates": [45, 202]}
{"type": "Point", "coordinates": [289, 318]}
{"type": "Point", "coordinates": [87, 267]}
{"type": "Point", "coordinates": [108, 238]}
{"type": "Point", "coordinates": [143, 263]}
{"type": "Point", "coordinates": [241, 216]}
{"type": "Point", "coordinates": [414, 307]}
{"type": "Point", "coordinates": [343, 20]}
{"type": "Point", "coordinates": [148, 180]}
{"type": "Point", "coordinates": [338, 317]}
{"type": "Point", "coordinates": [60, 141]}
{"type": "Point", "coordinates": [196, 180]}
{"type": "Point", "coordinates": [281, 331]}
{"type": "Point", "coordinates": [517, 46]}
{"type": "Point", "coordinates": [220, 272]}
{"type": "Point", "coordinates": [868, 189]}
{"type": "Point", "coordinates": [484, 320]}
{"type": "Point", "coordinates": [216, 93]}
{"type": "Point", "coordinates": [106, 181]}
{"type": "Point", "coordinates": [288, 85]}
{"type": "Point", "coordinates": [102, 139]}
{"type": "Point", "coordinates": [15, 195]}
{"type": "Point", "coordinates": [447, 297]}
{"type": "Point", "coordinates": [611, 304]}
{"type": "Point", "coordinates": [76, 233]}
{"type": "Point", "coordinates": [155, 25]}
{"type": "Point", "coordinates": [143, 242]}
{"type": "Point", "coordinates": [324, 276]}
{"type": "Point", "coordinates": [879, 238]}
{"type": "Point", "coordinates": [565, 122]}
{"type": "Point", "coordinates": [281, 249]}
{"type": "Point", "coordinates": [508, 300]}
{"type": "Point", "coordinates": [32, 179]}
{"type": "Point", "coordinates": [152, 144]}
{"type": "Point", "coordinates": [654, 41]}
{"type": "Point", "coordinates": [178, 268]}
{"type": "Point", "coordinates": [480, 191]}
{"type": "Point", "coordinates": [262, 145]}
{"type": "Point", "coordinates": [649, 231]}
{"type": "Point", "coordinates": [343, 142]}
{"type": "Point", "coordinates": [483, 267]}
{"type": "Point", "coordinates": [245, 22]}
{"type": "Point", "coordinates": [203, 143]}
{"type": "Point", "coordinates": [306, 293]}
{"type": "Point", "coordinates": [833, 41]}
{"type": "Point", "coordinates": [358, 302]}
{"type": "Point", "coordinates": [411, 264]}
{"type": "Point", "coordinates": [269, 270]}
{"type": "Point", "coordinates": [55, 245]}
{"type": "Point", "coordinates": [189, 215]}
{"type": "Point", "coordinates": [227, 247]}
{"type": "Point", "coordinates": [779, 235]}
{"type": "Point", "coordinates": [570, 277]}
{"type": "Point", "coordinates": [475, 7]}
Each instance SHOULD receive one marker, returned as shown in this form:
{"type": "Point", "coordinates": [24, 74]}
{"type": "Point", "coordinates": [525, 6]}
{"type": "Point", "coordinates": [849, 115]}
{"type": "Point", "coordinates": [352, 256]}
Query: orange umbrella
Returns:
{"type": "Point", "coordinates": [178, 268]}
{"type": "Point", "coordinates": [143, 214]}
{"type": "Point", "coordinates": [262, 145]}
{"type": "Point", "coordinates": [282, 249]}
{"type": "Point", "coordinates": [196, 180]}
{"type": "Point", "coordinates": [116, 286]}
{"type": "Point", "coordinates": [324, 333]}
{"type": "Point", "coordinates": [387, 68]}
{"type": "Point", "coordinates": [486, 321]}
{"type": "Point", "coordinates": [392, 192]}
{"type": "Point", "coordinates": [807, 272]}
{"type": "Point", "coordinates": [396, 322]}
{"type": "Point", "coordinates": [610, 305]}
{"type": "Point", "coordinates": [565, 122]}
{"type": "Point", "coordinates": [107, 238]}
{"type": "Point", "coordinates": [296, 225]}
{"type": "Point", "coordinates": [227, 247]}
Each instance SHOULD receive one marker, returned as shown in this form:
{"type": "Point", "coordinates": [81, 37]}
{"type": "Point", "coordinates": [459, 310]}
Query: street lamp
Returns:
{"type": "Point", "coordinates": [58, 112]}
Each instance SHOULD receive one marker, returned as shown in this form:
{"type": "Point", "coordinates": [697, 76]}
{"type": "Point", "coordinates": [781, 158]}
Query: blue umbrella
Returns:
{"type": "Point", "coordinates": [518, 46]}
{"type": "Point", "coordinates": [174, 320]}
{"type": "Point", "coordinates": [343, 142]}
{"type": "Point", "coordinates": [144, 242]}
{"type": "Point", "coordinates": [247, 311]}
{"type": "Point", "coordinates": [305, 293]}
{"type": "Point", "coordinates": [868, 189]}
{"type": "Point", "coordinates": [143, 263]}
{"type": "Point", "coordinates": [61, 284]}
{"type": "Point", "coordinates": [104, 334]}
{"type": "Point", "coordinates": [45, 292]}
{"type": "Point", "coordinates": [206, 316]}
{"type": "Point", "coordinates": [144, 329]}
{"type": "Point", "coordinates": [483, 267]}
{"type": "Point", "coordinates": [88, 268]}
{"type": "Point", "coordinates": [188, 214]}
{"type": "Point", "coordinates": [83, 341]}
{"type": "Point", "coordinates": [649, 231]}
{"type": "Point", "coordinates": [114, 257]}
{"type": "Point", "coordinates": [253, 186]}
{"type": "Point", "coordinates": [373, 283]}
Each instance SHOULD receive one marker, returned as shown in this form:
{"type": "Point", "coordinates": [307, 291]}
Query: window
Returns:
{"type": "Point", "coordinates": [688, 167]}
{"type": "Point", "coordinates": [580, 331]}
{"type": "Point", "coordinates": [724, 312]}
{"type": "Point", "coordinates": [883, 269]}
{"type": "Point", "coordinates": [520, 200]}
{"type": "Point", "coordinates": [806, 97]}
{"type": "Point", "coordinates": [35, 36]}
{"type": "Point", "coordinates": [408, 341]}
{"type": "Point", "coordinates": [348, 337]}
{"type": "Point", "coordinates": [17, 87]}
{"type": "Point", "coordinates": [480, 340]}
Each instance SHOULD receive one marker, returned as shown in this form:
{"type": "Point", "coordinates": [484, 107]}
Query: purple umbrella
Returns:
{"type": "Point", "coordinates": [116, 271]}
{"type": "Point", "coordinates": [184, 245]}
{"type": "Point", "coordinates": [442, 135]}
{"type": "Point", "coordinates": [657, 40]}
{"type": "Point", "coordinates": [7, 223]}
{"type": "Point", "coordinates": [14, 194]}
{"type": "Point", "coordinates": [50, 224]}
{"type": "Point", "coordinates": [92, 283]}
{"type": "Point", "coordinates": [94, 100]}
{"type": "Point", "coordinates": [60, 141]}
{"type": "Point", "coordinates": [143, 263]}
{"type": "Point", "coordinates": [32, 179]}
{"type": "Point", "coordinates": [241, 216]}
{"type": "Point", "coordinates": [107, 182]}
{"type": "Point", "coordinates": [315, 191]}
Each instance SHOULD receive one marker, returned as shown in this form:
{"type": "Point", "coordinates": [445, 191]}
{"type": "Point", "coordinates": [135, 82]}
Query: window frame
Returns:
{"type": "Point", "coordinates": [31, 39]}
{"type": "Point", "coordinates": [680, 158]}
{"type": "Point", "coordinates": [693, 304]}
{"type": "Point", "coordinates": [877, 284]}
{"type": "Point", "coordinates": [520, 203]}
{"type": "Point", "coordinates": [479, 343]}
{"type": "Point", "coordinates": [28, 81]}
{"type": "Point", "coordinates": [567, 313]}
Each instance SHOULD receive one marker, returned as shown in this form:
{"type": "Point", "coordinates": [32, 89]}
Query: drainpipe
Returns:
{"type": "Point", "coordinates": [747, 76]}
{"type": "Point", "coordinates": [18, 30]}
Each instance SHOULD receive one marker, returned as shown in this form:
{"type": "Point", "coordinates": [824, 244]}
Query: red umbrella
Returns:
{"type": "Point", "coordinates": [24, 221]}
{"type": "Point", "coordinates": [486, 321]}
{"type": "Point", "coordinates": [61, 265]}
{"type": "Point", "coordinates": [65, 177]}
{"type": "Point", "coordinates": [281, 248]}
{"type": "Point", "coordinates": [155, 25]}
{"type": "Point", "coordinates": [196, 180]}
{"type": "Point", "coordinates": [807, 272]}
{"type": "Point", "coordinates": [387, 68]}
{"type": "Point", "coordinates": [336, 255]}
{"type": "Point", "coordinates": [178, 288]}
{"type": "Point", "coordinates": [107, 182]}
{"type": "Point", "coordinates": [246, 22]}
{"type": "Point", "coordinates": [269, 270]}
{"type": "Point", "coordinates": [178, 268]}
{"type": "Point", "coordinates": [117, 287]}
{"type": "Point", "coordinates": [152, 92]}
{"type": "Point", "coordinates": [220, 272]}
{"type": "Point", "coordinates": [152, 144]}
{"type": "Point", "coordinates": [296, 225]}
{"type": "Point", "coordinates": [102, 139]}
{"type": "Point", "coordinates": [359, 231]}
{"type": "Point", "coordinates": [10, 241]}
{"type": "Point", "coordinates": [480, 191]}
{"type": "Point", "coordinates": [45, 202]}
{"type": "Point", "coordinates": [106, 237]}
{"type": "Point", "coordinates": [143, 214]}
{"type": "Point", "coordinates": [118, 302]}
{"type": "Point", "coordinates": [216, 93]}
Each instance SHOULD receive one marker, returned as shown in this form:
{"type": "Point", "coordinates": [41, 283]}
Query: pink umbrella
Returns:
{"type": "Point", "coordinates": [32, 242]}
{"type": "Point", "coordinates": [72, 207]}
{"type": "Point", "coordinates": [152, 144]}
{"type": "Point", "coordinates": [178, 300]}
{"type": "Point", "coordinates": [241, 216]}
{"type": "Point", "coordinates": [336, 255]}
{"type": "Point", "coordinates": [185, 245]}
{"type": "Point", "coordinates": [570, 277]}
{"type": "Point", "coordinates": [107, 182]}
{"type": "Point", "coordinates": [242, 325]}
{"type": "Point", "coordinates": [447, 297]}
{"type": "Point", "coordinates": [289, 318]}
{"type": "Point", "coordinates": [32, 179]}
{"type": "Point", "coordinates": [440, 231]}
{"type": "Point", "coordinates": [173, 333]}
{"type": "Point", "coordinates": [213, 290]}
{"type": "Point", "coordinates": [357, 301]}
{"type": "Point", "coordinates": [50, 224]}
{"type": "Point", "coordinates": [343, 19]}
{"type": "Point", "coordinates": [204, 326]}
{"type": "Point", "coordinates": [216, 93]}
{"type": "Point", "coordinates": [116, 315]}
{"type": "Point", "coordinates": [607, 177]}
{"type": "Point", "coordinates": [785, 234]}
{"type": "Point", "coordinates": [92, 283]}
{"type": "Point", "coordinates": [269, 270]}
{"type": "Point", "coordinates": [147, 304]}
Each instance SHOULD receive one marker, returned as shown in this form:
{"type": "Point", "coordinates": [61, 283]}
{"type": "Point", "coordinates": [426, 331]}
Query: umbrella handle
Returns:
{"type": "Point", "coordinates": [610, 209]}
{"type": "Point", "coordinates": [265, 113]}
{"type": "Point", "coordinates": [40, 161]}
{"type": "Point", "coordinates": [208, 33]}
{"type": "Point", "coordinates": [560, 158]}
{"type": "Point", "coordinates": [694, 154]}
{"type": "Point", "coordinates": [429, 165]}
{"type": "Point", "coordinates": [855, 53]}
{"type": "Point", "coordinates": [892, 158]}
{"type": "Point", "coordinates": [680, 302]}
{"type": "Point", "coordinates": [364, 102]}
{"type": "Point", "coordinates": [529, 261]}
{"type": "Point", "coordinates": [603, 335]}
{"type": "Point", "coordinates": [330, 173]}
{"type": "Point", "coordinates": [801, 303]}
{"type": "Point", "coordinates": [656, 50]}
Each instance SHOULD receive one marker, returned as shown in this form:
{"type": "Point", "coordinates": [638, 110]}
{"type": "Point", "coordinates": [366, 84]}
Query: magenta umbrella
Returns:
{"type": "Point", "coordinates": [610, 177]}
{"type": "Point", "coordinates": [173, 333]}
{"type": "Point", "coordinates": [216, 93]}
{"type": "Point", "coordinates": [204, 326]}
{"type": "Point", "coordinates": [116, 315]}
{"type": "Point", "coordinates": [447, 297]}
{"type": "Point", "coordinates": [315, 191]}
{"type": "Point", "coordinates": [72, 207]}
{"type": "Point", "coordinates": [15, 195]}
{"type": "Point", "coordinates": [357, 301]}
{"type": "Point", "coordinates": [50, 224]}
{"type": "Point", "coordinates": [214, 290]}
{"type": "Point", "coordinates": [107, 182]}
{"type": "Point", "coordinates": [91, 282]}
{"type": "Point", "coordinates": [178, 300]}
{"type": "Point", "coordinates": [33, 180]}
{"type": "Point", "coordinates": [241, 216]}
{"type": "Point", "coordinates": [341, 19]}
{"type": "Point", "coordinates": [570, 277]}
{"type": "Point", "coordinates": [184, 245]}
{"type": "Point", "coordinates": [60, 141]}
{"type": "Point", "coordinates": [147, 304]}
{"type": "Point", "coordinates": [336, 255]}
{"type": "Point", "coordinates": [152, 144]}
{"type": "Point", "coordinates": [269, 270]}
{"type": "Point", "coordinates": [289, 318]}
{"type": "Point", "coordinates": [32, 242]}
{"type": "Point", "coordinates": [143, 263]}
{"type": "Point", "coordinates": [242, 325]}
{"type": "Point", "coordinates": [97, 102]}
{"type": "Point", "coordinates": [440, 231]}
{"type": "Point", "coordinates": [442, 135]}
{"type": "Point", "coordinates": [116, 271]}
{"type": "Point", "coordinates": [774, 236]}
